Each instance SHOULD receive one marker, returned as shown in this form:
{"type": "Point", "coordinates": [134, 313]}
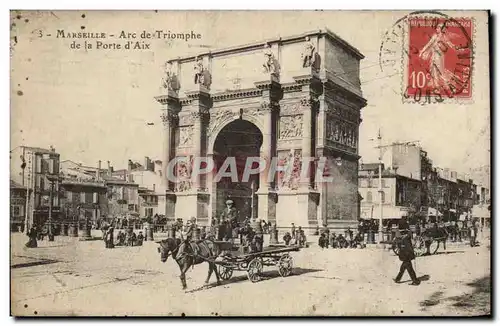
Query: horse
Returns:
{"type": "Point", "coordinates": [188, 258]}
{"type": "Point", "coordinates": [436, 233]}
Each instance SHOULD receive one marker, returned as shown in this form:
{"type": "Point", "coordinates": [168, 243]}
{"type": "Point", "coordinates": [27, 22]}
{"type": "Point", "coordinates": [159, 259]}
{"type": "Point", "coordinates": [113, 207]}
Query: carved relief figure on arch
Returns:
{"type": "Point", "coordinates": [238, 128]}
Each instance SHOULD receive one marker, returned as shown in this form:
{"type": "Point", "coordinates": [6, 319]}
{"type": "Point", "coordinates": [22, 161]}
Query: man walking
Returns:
{"type": "Point", "coordinates": [406, 255]}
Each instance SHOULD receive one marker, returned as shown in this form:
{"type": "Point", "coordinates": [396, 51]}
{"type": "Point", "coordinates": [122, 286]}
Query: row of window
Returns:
{"type": "Point", "coordinates": [150, 199]}
{"type": "Point", "coordinates": [44, 200]}
{"type": "Point", "coordinates": [42, 183]}
{"type": "Point", "coordinates": [83, 197]}
{"type": "Point", "coordinates": [16, 210]}
{"type": "Point", "coordinates": [46, 165]}
{"type": "Point", "coordinates": [148, 212]}
{"type": "Point", "coordinates": [372, 183]}
{"type": "Point", "coordinates": [123, 193]}
{"type": "Point", "coordinates": [369, 197]}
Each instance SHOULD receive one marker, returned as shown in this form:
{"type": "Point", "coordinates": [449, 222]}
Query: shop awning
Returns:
{"type": "Point", "coordinates": [480, 211]}
{"type": "Point", "coordinates": [388, 212]}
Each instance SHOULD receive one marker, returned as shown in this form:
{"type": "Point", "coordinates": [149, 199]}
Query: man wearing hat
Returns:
{"type": "Point", "coordinates": [406, 255]}
{"type": "Point", "coordinates": [229, 219]}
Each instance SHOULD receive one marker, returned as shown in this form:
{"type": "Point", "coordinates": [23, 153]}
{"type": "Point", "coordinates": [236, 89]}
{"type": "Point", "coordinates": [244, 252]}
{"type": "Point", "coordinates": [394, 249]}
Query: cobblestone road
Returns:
{"type": "Point", "coordinates": [71, 277]}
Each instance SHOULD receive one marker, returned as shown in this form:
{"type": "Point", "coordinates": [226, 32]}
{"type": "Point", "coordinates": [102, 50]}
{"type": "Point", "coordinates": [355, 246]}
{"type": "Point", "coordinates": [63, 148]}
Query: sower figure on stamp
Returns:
{"type": "Point", "coordinates": [434, 52]}
{"type": "Point", "coordinates": [406, 255]}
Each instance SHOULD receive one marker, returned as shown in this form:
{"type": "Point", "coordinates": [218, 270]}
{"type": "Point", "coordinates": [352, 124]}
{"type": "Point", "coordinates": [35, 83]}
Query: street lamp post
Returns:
{"type": "Point", "coordinates": [52, 179]}
{"type": "Point", "coordinates": [26, 215]}
{"type": "Point", "coordinates": [380, 189]}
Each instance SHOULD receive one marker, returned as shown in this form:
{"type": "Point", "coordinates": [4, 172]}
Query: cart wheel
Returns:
{"type": "Point", "coordinates": [254, 270]}
{"type": "Point", "coordinates": [419, 246]}
{"type": "Point", "coordinates": [285, 265]}
{"type": "Point", "coordinates": [225, 272]}
{"type": "Point", "coordinates": [433, 247]}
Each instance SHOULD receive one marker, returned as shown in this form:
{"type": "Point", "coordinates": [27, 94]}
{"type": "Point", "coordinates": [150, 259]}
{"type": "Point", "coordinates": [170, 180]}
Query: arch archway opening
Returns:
{"type": "Point", "coordinates": [237, 141]}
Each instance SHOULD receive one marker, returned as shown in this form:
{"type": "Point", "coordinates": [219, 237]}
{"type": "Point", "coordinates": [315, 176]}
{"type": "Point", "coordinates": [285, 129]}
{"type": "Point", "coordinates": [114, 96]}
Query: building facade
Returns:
{"type": "Point", "coordinates": [84, 192]}
{"type": "Point", "coordinates": [151, 188]}
{"type": "Point", "coordinates": [122, 195]}
{"type": "Point", "coordinates": [399, 194]}
{"type": "Point", "coordinates": [37, 169]}
{"type": "Point", "coordinates": [83, 200]}
{"type": "Point", "coordinates": [279, 99]}
{"type": "Point", "coordinates": [17, 206]}
{"type": "Point", "coordinates": [435, 193]}
{"type": "Point", "coordinates": [405, 159]}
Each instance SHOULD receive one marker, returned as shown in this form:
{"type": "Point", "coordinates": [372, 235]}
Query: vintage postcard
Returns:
{"type": "Point", "coordinates": [250, 163]}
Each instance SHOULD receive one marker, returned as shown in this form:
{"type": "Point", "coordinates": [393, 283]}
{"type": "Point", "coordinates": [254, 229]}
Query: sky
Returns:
{"type": "Point", "coordinates": [96, 104]}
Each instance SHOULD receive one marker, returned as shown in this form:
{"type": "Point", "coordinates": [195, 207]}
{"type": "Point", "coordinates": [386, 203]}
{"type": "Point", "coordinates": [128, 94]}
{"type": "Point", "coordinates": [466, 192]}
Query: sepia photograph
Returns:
{"type": "Point", "coordinates": [250, 163]}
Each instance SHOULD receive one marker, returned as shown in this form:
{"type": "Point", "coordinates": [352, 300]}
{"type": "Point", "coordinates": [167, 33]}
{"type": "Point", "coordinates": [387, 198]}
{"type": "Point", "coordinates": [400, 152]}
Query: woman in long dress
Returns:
{"type": "Point", "coordinates": [32, 234]}
{"type": "Point", "coordinates": [435, 52]}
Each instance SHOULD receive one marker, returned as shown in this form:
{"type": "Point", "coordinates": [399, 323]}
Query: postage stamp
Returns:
{"type": "Point", "coordinates": [440, 58]}
{"type": "Point", "coordinates": [204, 163]}
{"type": "Point", "coordinates": [433, 54]}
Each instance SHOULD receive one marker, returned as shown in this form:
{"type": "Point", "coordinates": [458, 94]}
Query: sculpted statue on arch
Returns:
{"type": "Point", "coordinates": [271, 64]}
{"type": "Point", "coordinates": [170, 81]}
{"type": "Point", "coordinates": [310, 57]}
{"type": "Point", "coordinates": [308, 53]}
{"type": "Point", "coordinates": [202, 75]}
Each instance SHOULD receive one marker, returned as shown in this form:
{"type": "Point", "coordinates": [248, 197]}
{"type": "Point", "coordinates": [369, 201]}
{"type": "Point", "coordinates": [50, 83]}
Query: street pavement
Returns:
{"type": "Point", "coordinates": [71, 277]}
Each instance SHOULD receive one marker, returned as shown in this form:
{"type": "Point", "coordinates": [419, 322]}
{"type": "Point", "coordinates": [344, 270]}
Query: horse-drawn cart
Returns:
{"type": "Point", "coordinates": [253, 263]}
{"type": "Point", "coordinates": [427, 242]}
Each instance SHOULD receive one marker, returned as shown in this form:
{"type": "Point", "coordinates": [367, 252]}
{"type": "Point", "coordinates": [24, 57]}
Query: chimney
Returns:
{"type": "Point", "coordinates": [130, 165]}
{"type": "Point", "coordinates": [98, 173]}
{"type": "Point", "coordinates": [110, 170]}
{"type": "Point", "coordinates": [147, 163]}
{"type": "Point", "coordinates": [154, 187]}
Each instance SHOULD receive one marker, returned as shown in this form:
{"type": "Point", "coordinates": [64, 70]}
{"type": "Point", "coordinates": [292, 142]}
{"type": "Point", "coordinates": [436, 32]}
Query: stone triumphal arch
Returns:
{"type": "Point", "coordinates": [287, 98]}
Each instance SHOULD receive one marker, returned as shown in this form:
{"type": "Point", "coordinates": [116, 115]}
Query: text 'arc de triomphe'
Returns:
{"type": "Point", "coordinates": [289, 98]}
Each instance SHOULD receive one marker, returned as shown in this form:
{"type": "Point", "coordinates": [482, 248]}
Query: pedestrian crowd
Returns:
{"type": "Point", "coordinates": [338, 241]}
{"type": "Point", "coordinates": [296, 237]}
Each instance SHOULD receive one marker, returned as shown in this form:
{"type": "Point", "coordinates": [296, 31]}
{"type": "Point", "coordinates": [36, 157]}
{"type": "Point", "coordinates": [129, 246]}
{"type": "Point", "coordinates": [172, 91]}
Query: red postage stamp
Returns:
{"type": "Point", "coordinates": [440, 58]}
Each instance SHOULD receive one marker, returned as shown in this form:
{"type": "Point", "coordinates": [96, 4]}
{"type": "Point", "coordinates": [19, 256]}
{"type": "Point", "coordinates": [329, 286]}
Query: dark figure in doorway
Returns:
{"type": "Point", "coordinates": [406, 255]}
